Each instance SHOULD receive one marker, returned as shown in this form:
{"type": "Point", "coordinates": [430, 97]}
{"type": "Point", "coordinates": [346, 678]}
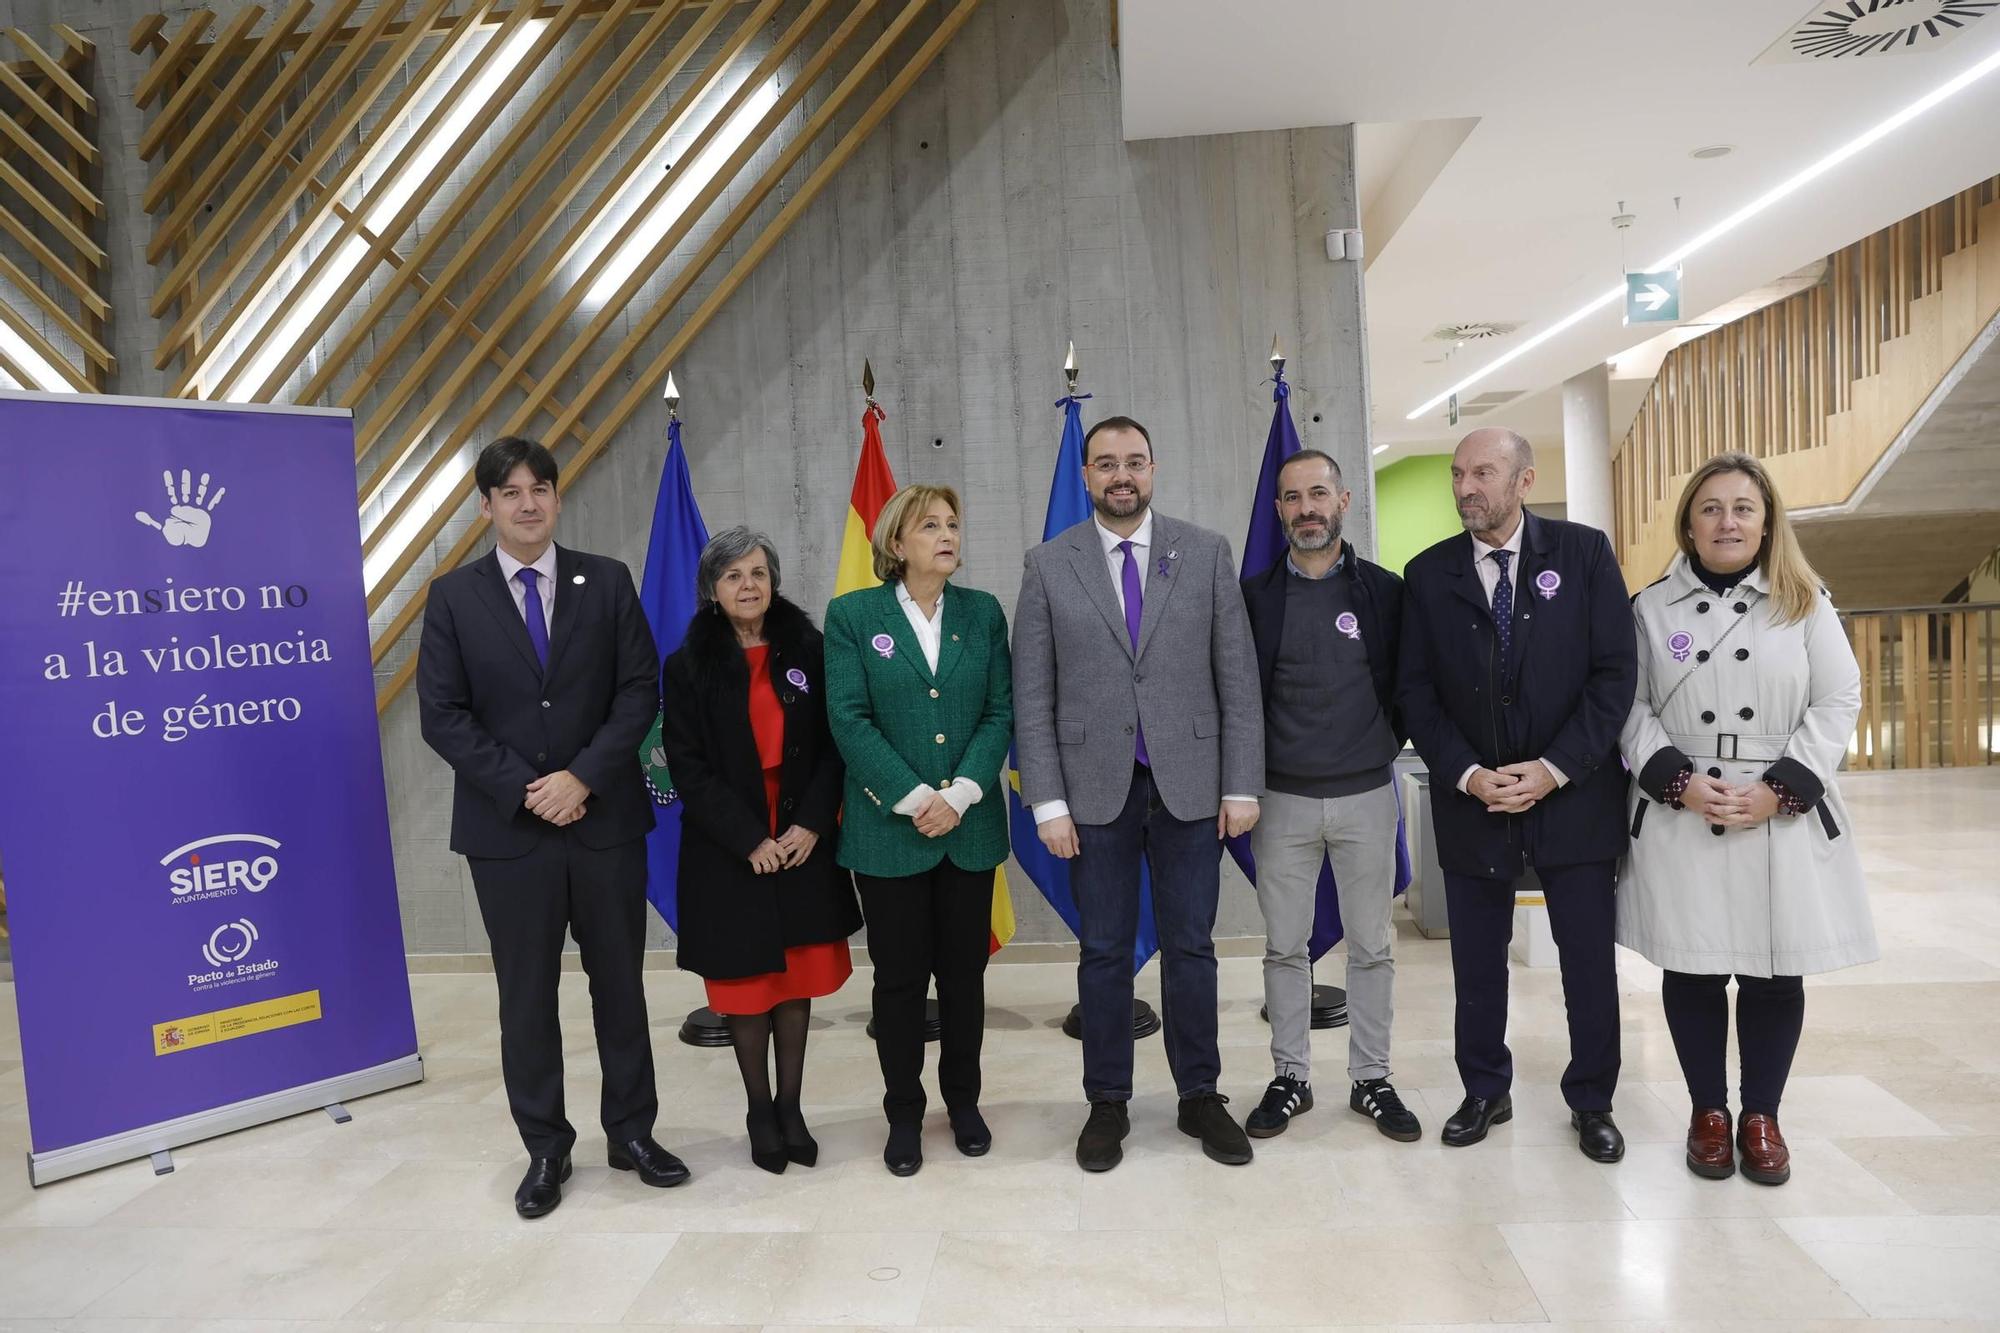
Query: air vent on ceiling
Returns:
{"type": "Point", "coordinates": [1850, 29]}
{"type": "Point", "coordinates": [1465, 333]}
{"type": "Point", "coordinates": [1493, 398]}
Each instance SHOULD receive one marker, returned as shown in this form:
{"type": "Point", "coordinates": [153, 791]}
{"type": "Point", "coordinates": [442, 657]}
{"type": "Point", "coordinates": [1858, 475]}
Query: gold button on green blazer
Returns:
{"type": "Point", "coordinates": [900, 725]}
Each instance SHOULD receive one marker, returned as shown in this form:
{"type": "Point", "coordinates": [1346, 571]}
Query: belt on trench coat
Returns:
{"type": "Point", "coordinates": [1730, 745]}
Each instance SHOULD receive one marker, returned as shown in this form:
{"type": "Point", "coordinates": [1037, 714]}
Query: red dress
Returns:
{"type": "Point", "coordinates": [810, 969]}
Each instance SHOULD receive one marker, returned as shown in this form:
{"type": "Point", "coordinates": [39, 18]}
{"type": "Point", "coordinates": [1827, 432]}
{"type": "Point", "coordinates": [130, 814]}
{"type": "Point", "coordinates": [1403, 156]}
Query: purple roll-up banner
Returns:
{"type": "Point", "coordinates": [193, 826]}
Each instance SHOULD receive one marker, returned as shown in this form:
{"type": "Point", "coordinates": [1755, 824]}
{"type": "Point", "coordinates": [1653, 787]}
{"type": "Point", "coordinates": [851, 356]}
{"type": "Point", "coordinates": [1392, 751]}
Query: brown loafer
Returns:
{"type": "Point", "coordinates": [1709, 1154]}
{"type": "Point", "coordinates": [1766, 1159]}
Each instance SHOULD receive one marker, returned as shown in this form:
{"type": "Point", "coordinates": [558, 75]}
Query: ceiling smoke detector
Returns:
{"type": "Point", "coordinates": [1477, 332]}
{"type": "Point", "coordinates": [1874, 28]}
{"type": "Point", "coordinates": [1713, 151]}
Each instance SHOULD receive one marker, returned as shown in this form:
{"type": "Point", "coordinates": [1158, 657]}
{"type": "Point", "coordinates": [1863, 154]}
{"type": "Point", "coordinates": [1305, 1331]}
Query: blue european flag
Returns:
{"type": "Point", "coordinates": [668, 593]}
{"type": "Point", "coordinates": [1069, 505]}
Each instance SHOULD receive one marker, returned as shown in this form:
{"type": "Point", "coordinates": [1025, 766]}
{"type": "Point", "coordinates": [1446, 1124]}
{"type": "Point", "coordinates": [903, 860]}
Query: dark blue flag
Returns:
{"type": "Point", "coordinates": [1264, 546]}
{"type": "Point", "coordinates": [1069, 505]}
{"type": "Point", "coordinates": [668, 594]}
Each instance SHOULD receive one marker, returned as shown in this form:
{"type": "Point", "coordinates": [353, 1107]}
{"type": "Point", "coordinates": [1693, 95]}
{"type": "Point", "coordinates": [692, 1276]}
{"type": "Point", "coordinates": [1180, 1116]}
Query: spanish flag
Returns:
{"type": "Point", "coordinates": [873, 485]}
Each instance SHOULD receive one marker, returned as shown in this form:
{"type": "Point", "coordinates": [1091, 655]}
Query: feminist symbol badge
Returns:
{"type": "Point", "coordinates": [1547, 582]}
{"type": "Point", "coordinates": [884, 645]}
{"type": "Point", "coordinates": [1679, 644]}
{"type": "Point", "coordinates": [797, 680]}
{"type": "Point", "coordinates": [1347, 624]}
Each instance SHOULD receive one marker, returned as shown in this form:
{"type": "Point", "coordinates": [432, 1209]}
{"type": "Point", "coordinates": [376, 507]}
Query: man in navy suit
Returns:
{"type": "Point", "coordinates": [1518, 666]}
{"type": "Point", "coordinates": [537, 679]}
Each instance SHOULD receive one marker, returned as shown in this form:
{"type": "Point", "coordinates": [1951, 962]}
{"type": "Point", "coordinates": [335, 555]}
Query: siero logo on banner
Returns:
{"type": "Point", "coordinates": [194, 799]}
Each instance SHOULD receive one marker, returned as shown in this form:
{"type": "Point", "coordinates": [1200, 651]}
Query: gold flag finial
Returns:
{"type": "Point", "coordinates": [1070, 371]}
{"type": "Point", "coordinates": [868, 379]}
{"type": "Point", "coordinates": [673, 396]}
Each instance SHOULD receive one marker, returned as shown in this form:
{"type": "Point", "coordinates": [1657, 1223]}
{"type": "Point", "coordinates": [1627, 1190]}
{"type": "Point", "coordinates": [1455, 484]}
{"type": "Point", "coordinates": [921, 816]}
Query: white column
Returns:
{"type": "Point", "coordinates": [1587, 447]}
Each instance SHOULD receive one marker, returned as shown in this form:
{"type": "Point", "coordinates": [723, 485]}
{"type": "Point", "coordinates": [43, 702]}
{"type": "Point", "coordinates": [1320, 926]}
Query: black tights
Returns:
{"type": "Point", "coordinates": [1770, 1013]}
{"type": "Point", "coordinates": [753, 1037]}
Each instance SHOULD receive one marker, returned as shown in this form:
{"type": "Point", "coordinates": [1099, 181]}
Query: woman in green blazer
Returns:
{"type": "Point", "coordinates": [919, 696]}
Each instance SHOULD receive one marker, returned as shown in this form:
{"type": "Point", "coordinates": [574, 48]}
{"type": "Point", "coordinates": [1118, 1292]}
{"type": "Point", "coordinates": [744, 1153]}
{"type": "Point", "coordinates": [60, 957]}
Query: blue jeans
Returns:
{"type": "Point", "coordinates": [1185, 858]}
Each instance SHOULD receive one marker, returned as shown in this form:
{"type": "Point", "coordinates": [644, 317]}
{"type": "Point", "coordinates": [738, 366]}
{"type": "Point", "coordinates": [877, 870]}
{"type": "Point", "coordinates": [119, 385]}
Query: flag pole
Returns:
{"type": "Point", "coordinates": [703, 1026]}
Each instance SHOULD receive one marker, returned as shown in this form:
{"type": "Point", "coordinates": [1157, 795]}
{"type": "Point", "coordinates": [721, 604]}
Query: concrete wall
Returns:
{"type": "Point", "coordinates": [997, 213]}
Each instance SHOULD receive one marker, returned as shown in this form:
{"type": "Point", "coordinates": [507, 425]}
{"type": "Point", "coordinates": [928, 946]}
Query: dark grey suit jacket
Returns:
{"type": "Point", "coordinates": [500, 721]}
{"type": "Point", "coordinates": [1080, 689]}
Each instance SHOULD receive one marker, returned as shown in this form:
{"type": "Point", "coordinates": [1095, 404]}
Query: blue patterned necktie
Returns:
{"type": "Point", "coordinates": [538, 621]}
{"type": "Point", "coordinates": [1135, 611]}
{"type": "Point", "coordinates": [1503, 608]}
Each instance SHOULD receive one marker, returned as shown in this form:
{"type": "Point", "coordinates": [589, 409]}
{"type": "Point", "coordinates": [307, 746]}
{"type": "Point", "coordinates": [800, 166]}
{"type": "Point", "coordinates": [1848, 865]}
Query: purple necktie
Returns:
{"type": "Point", "coordinates": [1503, 609]}
{"type": "Point", "coordinates": [538, 623]}
{"type": "Point", "coordinates": [1135, 610]}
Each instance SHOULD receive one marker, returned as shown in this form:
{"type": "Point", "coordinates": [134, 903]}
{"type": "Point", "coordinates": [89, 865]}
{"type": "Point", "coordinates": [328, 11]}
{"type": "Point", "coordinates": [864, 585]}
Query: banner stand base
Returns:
{"type": "Point", "coordinates": [157, 1141]}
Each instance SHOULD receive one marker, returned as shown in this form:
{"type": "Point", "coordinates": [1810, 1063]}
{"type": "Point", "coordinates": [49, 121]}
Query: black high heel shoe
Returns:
{"type": "Point", "coordinates": [767, 1141]}
{"type": "Point", "coordinates": [800, 1146]}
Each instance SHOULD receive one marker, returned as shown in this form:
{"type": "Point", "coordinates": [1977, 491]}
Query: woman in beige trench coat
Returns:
{"type": "Point", "coordinates": [1742, 856]}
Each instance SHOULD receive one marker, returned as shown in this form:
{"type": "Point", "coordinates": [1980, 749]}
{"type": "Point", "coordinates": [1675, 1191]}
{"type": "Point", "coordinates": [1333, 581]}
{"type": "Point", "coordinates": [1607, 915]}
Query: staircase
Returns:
{"type": "Point", "coordinates": [1867, 398]}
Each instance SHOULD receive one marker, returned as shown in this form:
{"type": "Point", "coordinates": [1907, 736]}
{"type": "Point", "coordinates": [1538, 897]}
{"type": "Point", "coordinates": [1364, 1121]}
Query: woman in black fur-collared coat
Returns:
{"type": "Point", "coordinates": [765, 909]}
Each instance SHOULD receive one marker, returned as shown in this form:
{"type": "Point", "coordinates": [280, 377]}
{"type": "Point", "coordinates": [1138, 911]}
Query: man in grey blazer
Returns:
{"type": "Point", "coordinates": [1140, 733]}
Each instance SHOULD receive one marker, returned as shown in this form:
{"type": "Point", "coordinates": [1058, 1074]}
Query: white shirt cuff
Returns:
{"type": "Point", "coordinates": [1465, 779]}
{"type": "Point", "coordinates": [1250, 800]}
{"type": "Point", "coordinates": [1562, 779]}
{"type": "Point", "coordinates": [915, 801]}
{"type": "Point", "coordinates": [1049, 810]}
{"type": "Point", "coordinates": [963, 794]}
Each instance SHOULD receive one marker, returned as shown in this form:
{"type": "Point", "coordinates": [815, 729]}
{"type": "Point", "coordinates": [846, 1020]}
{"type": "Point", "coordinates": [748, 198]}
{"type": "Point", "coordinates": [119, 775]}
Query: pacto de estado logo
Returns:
{"type": "Point", "coordinates": [221, 867]}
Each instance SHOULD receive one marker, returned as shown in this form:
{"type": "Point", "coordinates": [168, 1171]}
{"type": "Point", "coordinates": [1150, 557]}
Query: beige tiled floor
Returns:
{"type": "Point", "coordinates": [402, 1219]}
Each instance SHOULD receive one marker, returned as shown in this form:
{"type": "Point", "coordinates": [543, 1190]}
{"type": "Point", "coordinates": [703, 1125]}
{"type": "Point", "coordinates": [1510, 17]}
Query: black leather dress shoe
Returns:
{"type": "Point", "coordinates": [969, 1132]}
{"type": "Point", "coordinates": [541, 1188]}
{"type": "Point", "coordinates": [1597, 1136]}
{"type": "Point", "coordinates": [1474, 1116]}
{"type": "Point", "coordinates": [904, 1153]}
{"type": "Point", "coordinates": [655, 1165]}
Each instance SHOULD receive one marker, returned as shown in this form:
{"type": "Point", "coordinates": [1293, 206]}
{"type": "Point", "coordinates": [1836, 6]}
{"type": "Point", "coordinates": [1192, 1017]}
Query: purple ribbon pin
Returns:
{"type": "Point", "coordinates": [797, 680]}
{"type": "Point", "coordinates": [1547, 582]}
{"type": "Point", "coordinates": [884, 645]}
{"type": "Point", "coordinates": [1166, 563]}
{"type": "Point", "coordinates": [1346, 623]}
{"type": "Point", "coordinates": [1679, 643]}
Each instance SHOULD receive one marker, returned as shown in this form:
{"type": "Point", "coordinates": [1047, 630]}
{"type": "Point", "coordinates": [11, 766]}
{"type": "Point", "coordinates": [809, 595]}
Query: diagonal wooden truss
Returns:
{"type": "Point", "coordinates": [275, 174]}
{"type": "Point", "coordinates": [50, 211]}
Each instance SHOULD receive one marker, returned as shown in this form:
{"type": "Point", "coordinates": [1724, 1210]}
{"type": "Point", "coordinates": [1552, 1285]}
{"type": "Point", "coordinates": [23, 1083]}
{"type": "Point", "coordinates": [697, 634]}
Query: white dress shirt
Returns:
{"type": "Point", "coordinates": [545, 565]}
{"type": "Point", "coordinates": [1488, 569]}
{"type": "Point", "coordinates": [963, 793]}
{"type": "Point", "coordinates": [1114, 562]}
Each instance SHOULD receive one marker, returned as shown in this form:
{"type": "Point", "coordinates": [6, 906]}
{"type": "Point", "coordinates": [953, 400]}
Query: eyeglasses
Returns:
{"type": "Point", "coordinates": [1111, 467]}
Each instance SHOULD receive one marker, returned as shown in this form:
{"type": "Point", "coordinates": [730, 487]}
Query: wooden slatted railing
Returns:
{"type": "Point", "coordinates": [1930, 690]}
{"type": "Point", "coordinates": [1817, 385]}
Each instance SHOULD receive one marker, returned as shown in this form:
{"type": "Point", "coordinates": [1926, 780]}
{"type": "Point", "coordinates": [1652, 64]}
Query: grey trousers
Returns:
{"type": "Point", "coordinates": [1358, 833]}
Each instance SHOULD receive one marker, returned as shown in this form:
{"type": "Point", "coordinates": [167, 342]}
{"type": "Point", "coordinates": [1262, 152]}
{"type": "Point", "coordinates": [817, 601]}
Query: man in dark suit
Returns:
{"type": "Point", "coordinates": [1517, 671]}
{"type": "Point", "coordinates": [536, 681]}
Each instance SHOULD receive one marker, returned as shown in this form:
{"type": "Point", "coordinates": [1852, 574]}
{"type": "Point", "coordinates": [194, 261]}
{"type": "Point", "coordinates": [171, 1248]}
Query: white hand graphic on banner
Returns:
{"type": "Point", "coordinates": [188, 510]}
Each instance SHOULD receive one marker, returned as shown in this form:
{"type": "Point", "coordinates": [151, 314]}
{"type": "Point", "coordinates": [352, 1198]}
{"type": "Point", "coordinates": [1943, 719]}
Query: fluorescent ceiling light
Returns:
{"type": "Point", "coordinates": [1742, 215]}
{"type": "Point", "coordinates": [298, 309]}
{"type": "Point", "coordinates": [690, 179]}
